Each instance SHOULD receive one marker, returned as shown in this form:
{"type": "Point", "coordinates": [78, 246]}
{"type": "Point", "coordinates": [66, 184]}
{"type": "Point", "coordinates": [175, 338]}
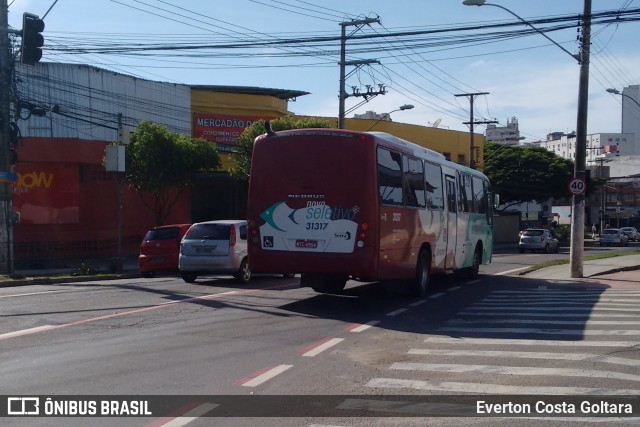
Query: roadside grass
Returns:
{"type": "Point", "coordinates": [586, 258]}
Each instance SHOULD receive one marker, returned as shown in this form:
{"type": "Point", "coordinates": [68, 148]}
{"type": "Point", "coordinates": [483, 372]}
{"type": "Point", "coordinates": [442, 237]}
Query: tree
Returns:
{"type": "Point", "coordinates": [244, 145]}
{"type": "Point", "coordinates": [524, 174]}
{"type": "Point", "coordinates": [165, 163]}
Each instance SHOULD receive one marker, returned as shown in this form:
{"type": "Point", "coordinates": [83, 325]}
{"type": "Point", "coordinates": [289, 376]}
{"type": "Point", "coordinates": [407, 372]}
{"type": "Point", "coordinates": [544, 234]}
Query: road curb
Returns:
{"type": "Point", "coordinates": [30, 281]}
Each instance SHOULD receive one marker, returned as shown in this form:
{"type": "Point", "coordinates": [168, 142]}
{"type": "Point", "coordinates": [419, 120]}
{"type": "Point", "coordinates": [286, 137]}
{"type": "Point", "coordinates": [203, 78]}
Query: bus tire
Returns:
{"type": "Point", "coordinates": [474, 270]}
{"type": "Point", "coordinates": [423, 273]}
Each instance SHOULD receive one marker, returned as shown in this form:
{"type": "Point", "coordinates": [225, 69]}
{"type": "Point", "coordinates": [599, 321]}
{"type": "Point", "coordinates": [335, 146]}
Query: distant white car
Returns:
{"type": "Point", "coordinates": [538, 239]}
{"type": "Point", "coordinates": [613, 237]}
{"type": "Point", "coordinates": [214, 247]}
{"type": "Point", "coordinates": [631, 232]}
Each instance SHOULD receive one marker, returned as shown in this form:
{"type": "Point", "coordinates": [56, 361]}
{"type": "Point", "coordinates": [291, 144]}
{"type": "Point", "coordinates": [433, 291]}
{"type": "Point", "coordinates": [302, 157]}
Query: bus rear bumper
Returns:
{"type": "Point", "coordinates": [362, 264]}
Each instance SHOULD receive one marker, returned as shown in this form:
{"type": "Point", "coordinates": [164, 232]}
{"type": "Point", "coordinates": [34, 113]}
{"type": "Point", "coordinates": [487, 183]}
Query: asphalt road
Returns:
{"type": "Point", "coordinates": [497, 335]}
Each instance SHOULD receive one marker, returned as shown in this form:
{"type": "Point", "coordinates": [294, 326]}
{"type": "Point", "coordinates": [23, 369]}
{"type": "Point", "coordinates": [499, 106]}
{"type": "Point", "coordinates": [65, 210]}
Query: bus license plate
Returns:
{"type": "Point", "coordinates": [307, 244]}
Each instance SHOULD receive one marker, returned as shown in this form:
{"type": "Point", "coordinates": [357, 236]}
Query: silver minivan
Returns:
{"type": "Point", "coordinates": [215, 247]}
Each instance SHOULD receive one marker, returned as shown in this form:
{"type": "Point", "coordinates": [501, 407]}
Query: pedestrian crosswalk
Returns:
{"type": "Point", "coordinates": [553, 341]}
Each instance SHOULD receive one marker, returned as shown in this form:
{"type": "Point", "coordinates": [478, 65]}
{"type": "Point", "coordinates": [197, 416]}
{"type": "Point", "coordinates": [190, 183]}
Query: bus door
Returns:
{"type": "Point", "coordinates": [451, 221]}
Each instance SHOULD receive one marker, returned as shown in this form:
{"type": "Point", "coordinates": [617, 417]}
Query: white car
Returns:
{"type": "Point", "coordinates": [215, 247]}
{"type": "Point", "coordinates": [538, 239]}
{"type": "Point", "coordinates": [631, 232]}
{"type": "Point", "coordinates": [613, 237]}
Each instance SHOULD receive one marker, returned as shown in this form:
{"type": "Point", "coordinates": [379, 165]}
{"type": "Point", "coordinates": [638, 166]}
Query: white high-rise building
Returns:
{"type": "Point", "coordinates": [631, 111]}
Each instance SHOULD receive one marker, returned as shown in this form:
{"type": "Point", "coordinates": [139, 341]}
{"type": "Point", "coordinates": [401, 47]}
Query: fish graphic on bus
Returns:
{"type": "Point", "coordinates": [317, 227]}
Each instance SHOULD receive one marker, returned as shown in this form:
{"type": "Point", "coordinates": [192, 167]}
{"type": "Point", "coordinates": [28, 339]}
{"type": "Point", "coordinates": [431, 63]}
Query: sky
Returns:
{"type": "Point", "coordinates": [526, 77]}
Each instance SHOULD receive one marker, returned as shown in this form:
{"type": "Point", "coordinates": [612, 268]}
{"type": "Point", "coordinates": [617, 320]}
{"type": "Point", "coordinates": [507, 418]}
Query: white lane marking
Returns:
{"type": "Point", "coordinates": [567, 292]}
{"type": "Point", "coordinates": [542, 287]}
{"type": "Point", "coordinates": [608, 420]}
{"type": "Point", "coordinates": [584, 322]}
{"type": "Point", "coordinates": [544, 298]}
{"type": "Point", "coordinates": [473, 281]}
{"type": "Point", "coordinates": [513, 370]}
{"type": "Point", "coordinates": [545, 331]}
{"type": "Point", "coordinates": [417, 303]}
{"type": "Point", "coordinates": [438, 295]}
{"type": "Point", "coordinates": [324, 345]}
{"type": "Point", "coordinates": [365, 326]}
{"type": "Point", "coordinates": [553, 343]}
{"type": "Point", "coordinates": [33, 293]}
{"type": "Point", "coordinates": [266, 376]}
{"type": "Point", "coordinates": [26, 332]}
{"type": "Point", "coordinates": [455, 288]}
{"type": "Point", "coordinates": [548, 304]}
{"type": "Point", "coordinates": [455, 387]}
{"type": "Point", "coordinates": [396, 312]}
{"type": "Point", "coordinates": [552, 315]}
{"type": "Point", "coordinates": [528, 355]}
{"type": "Point", "coordinates": [188, 417]}
{"type": "Point", "coordinates": [539, 308]}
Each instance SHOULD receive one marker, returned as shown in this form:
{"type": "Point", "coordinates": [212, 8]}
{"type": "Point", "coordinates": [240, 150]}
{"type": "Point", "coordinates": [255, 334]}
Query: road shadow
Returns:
{"type": "Point", "coordinates": [490, 307]}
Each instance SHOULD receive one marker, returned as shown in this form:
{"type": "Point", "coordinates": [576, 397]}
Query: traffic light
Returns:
{"type": "Point", "coordinates": [32, 40]}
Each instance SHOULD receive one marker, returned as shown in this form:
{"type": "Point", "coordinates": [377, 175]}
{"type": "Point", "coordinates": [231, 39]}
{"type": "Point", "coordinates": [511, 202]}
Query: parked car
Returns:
{"type": "Point", "coordinates": [613, 237]}
{"type": "Point", "coordinates": [214, 247]}
{"type": "Point", "coordinates": [631, 232]}
{"type": "Point", "coordinates": [538, 239]}
{"type": "Point", "coordinates": [160, 248]}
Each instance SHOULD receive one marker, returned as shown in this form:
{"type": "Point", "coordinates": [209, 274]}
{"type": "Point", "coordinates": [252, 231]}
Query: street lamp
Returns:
{"type": "Point", "coordinates": [576, 258]}
{"type": "Point", "coordinates": [484, 3]}
{"type": "Point", "coordinates": [385, 115]}
{"type": "Point", "coordinates": [617, 92]}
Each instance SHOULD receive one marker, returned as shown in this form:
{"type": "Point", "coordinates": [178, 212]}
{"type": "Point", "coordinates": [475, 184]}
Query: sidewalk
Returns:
{"type": "Point", "coordinates": [591, 268]}
{"type": "Point", "coordinates": [104, 271]}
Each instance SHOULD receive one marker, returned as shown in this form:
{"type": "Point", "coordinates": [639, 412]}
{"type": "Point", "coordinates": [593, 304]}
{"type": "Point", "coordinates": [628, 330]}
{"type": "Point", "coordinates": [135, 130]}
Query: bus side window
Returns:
{"type": "Point", "coordinates": [413, 181]}
{"type": "Point", "coordinates": [479, 196]}
{"type": "Point", "coordinates": [463, 200]}
{"type": "Point", "coordinates": [433, 186]}
{"type": "Point", "coordinates": [451, 195]}
{"type": "Point", "coordinates": [389, 177]}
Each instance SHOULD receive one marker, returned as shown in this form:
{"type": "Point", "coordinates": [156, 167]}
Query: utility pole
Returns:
{"type": "Point", "coordinates": [471, 122]}
{"type": "Point", "coordinates": [576, 256]}
{"type": "Point", "coordinates": [6, 223]}
{"type": "Point", "coordinates": [343, 63]}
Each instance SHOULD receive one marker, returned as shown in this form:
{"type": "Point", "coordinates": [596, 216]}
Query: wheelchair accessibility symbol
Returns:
{"type": "Point", "coordinates": [267, 242]}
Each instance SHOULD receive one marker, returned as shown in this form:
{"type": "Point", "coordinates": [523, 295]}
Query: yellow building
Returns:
{"type": "Point", "coordinates": [221, 113]}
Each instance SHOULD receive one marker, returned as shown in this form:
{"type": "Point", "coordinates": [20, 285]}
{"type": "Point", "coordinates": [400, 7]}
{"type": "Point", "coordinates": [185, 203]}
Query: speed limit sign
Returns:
{"type": "Point", "coordinates": [577, 186]}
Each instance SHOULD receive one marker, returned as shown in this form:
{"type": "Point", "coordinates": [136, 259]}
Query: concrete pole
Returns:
{"type": "Point", "coordinates": [6, 225]}
{"type": "Point", "coordinates": [576, 257]}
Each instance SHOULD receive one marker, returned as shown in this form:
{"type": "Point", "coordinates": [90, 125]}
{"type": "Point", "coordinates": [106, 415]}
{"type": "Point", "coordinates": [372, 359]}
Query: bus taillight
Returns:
{"type": "Point", "coordinates": [253, 232]}
{"type": "Point", "coordinates": [364, 227]}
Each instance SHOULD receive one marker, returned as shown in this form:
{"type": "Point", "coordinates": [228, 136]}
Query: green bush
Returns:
{"type": "Point", "coordinates": [86, 268]}
{"type": "Point", "coordinates": [562, 232]}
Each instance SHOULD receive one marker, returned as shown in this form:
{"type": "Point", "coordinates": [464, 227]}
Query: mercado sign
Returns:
{"type": "Point", "coordinates": [220, 129]}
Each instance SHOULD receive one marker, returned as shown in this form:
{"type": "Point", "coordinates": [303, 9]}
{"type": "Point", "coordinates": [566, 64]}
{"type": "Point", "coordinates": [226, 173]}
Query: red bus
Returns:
{"type": "Point", "coordinates": [334, 205]}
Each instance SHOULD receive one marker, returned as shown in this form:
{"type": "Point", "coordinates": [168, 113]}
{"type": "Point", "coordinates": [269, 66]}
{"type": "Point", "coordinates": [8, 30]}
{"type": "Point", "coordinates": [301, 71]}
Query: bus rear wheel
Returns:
{"type": "Point", "coordinates": [423, 273]}
{"type": "Point", "coordinates": [474, 270]}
